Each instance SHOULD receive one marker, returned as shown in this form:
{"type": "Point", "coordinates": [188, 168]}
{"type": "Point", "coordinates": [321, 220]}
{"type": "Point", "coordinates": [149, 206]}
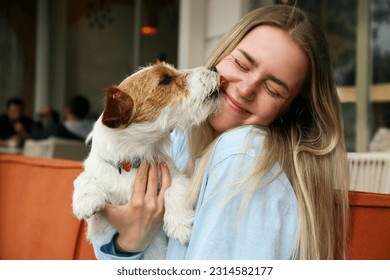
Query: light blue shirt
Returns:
{"type": "Point", "coordinates": [265, 228]}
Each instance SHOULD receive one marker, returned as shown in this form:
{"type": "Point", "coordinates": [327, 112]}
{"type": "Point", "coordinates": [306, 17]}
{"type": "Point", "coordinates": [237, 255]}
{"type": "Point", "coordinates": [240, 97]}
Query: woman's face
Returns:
{"type": "Point", "coordinates": [261, 77]}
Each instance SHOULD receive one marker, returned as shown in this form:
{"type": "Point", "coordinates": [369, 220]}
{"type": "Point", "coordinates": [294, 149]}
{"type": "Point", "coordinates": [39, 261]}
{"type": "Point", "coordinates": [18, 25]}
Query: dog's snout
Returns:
{"type": "Point", "coordinates": [213, 68]}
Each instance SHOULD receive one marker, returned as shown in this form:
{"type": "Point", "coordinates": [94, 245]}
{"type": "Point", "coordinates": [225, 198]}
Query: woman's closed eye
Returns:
{"type": "Point", "coordinates": [271, 91]}
{"type": "Point", "coordinates": [240, 65]}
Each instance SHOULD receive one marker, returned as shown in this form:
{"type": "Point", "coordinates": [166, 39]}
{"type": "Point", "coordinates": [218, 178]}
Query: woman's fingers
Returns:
{"type": "Point", "coordinates": [165, 182]}
{"type": "Point", "coordinates": [152, 186]}
{"type": "Point", "coordinates": [149, 189]}
{"type": "Point", "coordinates": [159, 180]}
{"type": "Point", "coordinates": [138, 221]}
{"type": "Point", "coordinates": [140, 183]}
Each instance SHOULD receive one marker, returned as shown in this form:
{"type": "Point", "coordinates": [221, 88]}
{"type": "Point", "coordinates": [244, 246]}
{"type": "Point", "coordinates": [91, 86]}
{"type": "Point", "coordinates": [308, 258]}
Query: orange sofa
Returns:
{"type": "Point", "coordinates": [370, 226]}
{"type": "Point", "coordinates": [36, 220]}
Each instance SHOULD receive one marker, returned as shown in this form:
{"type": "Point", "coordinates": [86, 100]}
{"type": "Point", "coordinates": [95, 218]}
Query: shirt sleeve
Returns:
{"type": "Point", "coordinates": [107, 252]}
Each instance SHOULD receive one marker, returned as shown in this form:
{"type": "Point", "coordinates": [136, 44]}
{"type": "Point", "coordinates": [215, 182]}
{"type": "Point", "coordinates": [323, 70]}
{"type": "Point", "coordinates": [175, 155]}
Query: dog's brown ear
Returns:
{"type": "Point", "coordinates": [118, 108]}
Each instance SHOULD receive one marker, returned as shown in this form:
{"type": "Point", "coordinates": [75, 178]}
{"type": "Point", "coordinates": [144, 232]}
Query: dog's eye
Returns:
{"type": "Point", "coordinates": [165, 79]}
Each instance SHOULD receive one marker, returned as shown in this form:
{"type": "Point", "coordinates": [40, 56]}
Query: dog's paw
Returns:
{"type": "Point", "coordinates": [88, 196]}
{"type": "Point", "coordinates": [84, 207]}
{"type": "Point", "coordinates": [180, 232]}
{"type": "Point", "coordinates": [179, 215]}
{"type": "Point", "coordinates": [85, 204]}
{"type": "Point", "coordinates": [178, 224]}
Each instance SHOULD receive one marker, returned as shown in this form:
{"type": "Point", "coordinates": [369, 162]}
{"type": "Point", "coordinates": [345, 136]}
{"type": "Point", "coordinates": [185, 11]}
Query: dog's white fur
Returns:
{"type": "Point", "coordinates": [149, 138]}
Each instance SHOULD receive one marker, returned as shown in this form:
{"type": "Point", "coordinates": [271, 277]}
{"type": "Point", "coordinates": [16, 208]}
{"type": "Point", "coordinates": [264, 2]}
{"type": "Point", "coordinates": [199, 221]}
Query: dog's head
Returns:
{"type": "Point", "coordinates": [176, 99]}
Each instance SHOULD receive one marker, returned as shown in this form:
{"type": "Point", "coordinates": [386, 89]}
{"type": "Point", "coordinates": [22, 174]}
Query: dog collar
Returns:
{"type": "Point", "coordinates": [126, 165]}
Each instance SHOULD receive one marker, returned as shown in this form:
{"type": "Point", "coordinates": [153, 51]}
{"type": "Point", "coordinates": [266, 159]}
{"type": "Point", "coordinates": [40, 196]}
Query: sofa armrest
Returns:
{"type": "Point", "coordinates": [36, 218]}
{"type": "Point", "coordinates": [370, 226]}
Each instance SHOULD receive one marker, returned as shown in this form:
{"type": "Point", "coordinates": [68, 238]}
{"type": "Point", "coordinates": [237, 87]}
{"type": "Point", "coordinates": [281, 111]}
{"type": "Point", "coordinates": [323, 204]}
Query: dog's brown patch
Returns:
{"type": "Point", "coordinates": [149, 90]}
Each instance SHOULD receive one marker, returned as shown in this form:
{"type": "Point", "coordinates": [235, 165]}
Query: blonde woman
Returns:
{"type": "Point", "coordinates": [269, 170]}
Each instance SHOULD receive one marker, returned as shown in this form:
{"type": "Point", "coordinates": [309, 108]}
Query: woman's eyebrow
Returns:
{"type": "Point", "coordinates": [248, 57]}
{"type": "Point", "coordinates": [279, 82]}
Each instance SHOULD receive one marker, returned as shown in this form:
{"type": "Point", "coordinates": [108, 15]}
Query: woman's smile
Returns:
{"type": "Point", "coordinates": [234, 104]}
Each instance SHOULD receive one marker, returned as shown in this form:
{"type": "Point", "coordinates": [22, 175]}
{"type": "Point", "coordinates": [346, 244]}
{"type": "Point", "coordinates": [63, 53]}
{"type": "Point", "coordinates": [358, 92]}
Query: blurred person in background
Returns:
{"type": "Point", "coordinates": [75, 125]}
{"type": "Point", "coordinates": [15, 126]}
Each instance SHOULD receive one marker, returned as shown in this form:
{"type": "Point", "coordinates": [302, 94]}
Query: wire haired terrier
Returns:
{"type": "Point", "coordinates": [138, 117]}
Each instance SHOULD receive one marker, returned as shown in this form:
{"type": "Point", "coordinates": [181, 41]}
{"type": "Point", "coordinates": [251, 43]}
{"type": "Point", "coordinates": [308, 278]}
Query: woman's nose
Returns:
{"type": "Point", "coordinates": [246, 90]}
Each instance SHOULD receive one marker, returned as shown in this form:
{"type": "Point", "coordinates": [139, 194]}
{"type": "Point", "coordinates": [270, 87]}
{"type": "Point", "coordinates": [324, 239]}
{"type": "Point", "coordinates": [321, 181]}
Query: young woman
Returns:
{"type": "Point", "coordinates": [269, 170]}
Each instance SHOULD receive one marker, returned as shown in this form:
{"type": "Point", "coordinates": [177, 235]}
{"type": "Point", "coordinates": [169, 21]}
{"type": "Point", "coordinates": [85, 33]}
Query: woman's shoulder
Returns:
{"type": "Point", "coordinates": [244, 140]}
{"type": "Point", "coordinates": [243, 146]}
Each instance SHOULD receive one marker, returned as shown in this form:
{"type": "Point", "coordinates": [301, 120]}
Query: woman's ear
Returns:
{"type": "Point", "coordinates": [118, 108]}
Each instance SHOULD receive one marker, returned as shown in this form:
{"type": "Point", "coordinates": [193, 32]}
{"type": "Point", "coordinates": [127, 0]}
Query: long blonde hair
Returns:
{"type": "Point", "coordinates": [308, 145]}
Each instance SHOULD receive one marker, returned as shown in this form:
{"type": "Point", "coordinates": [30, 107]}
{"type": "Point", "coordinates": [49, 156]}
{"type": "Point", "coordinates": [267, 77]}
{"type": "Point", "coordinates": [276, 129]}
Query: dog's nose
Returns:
{"type": "Point", "coordinates": [213, 68]}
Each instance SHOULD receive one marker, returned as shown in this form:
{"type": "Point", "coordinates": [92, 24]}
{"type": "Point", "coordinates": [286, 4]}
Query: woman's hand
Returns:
{"type": "Point", "coordinates": [139, 221]}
